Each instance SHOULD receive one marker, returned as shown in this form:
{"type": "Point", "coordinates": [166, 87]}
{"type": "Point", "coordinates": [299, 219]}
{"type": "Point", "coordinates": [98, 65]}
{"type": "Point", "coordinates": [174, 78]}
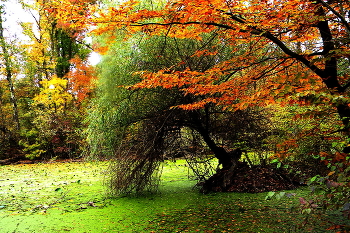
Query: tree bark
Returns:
{"type": "Point", "coordinates": [220, 153]}
{"type": "Point", "coordinates": [329, 74]}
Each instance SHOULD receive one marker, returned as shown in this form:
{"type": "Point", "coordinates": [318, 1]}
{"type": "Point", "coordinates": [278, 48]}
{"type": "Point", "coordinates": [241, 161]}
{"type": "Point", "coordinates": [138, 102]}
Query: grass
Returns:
{"type": "Point", "coordinates": [70, 197]}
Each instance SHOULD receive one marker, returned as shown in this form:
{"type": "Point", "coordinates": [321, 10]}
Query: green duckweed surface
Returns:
{"type": "Point", "coordinates": [70, 197]}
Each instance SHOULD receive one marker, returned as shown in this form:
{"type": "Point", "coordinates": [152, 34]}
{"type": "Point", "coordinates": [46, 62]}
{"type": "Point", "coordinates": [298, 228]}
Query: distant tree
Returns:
{"type": "Point", "coordinates": [10, 113]}
{"type": "Point", "coordinates": [9, 70]}
{"type": "Point", "coordinates": [60, 77]}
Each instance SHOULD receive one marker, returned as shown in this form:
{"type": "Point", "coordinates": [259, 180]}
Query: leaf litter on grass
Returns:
{"type": "Point", "coordinates": [237, 212]}
{"type": "Point", "coordinates": [216, 216]}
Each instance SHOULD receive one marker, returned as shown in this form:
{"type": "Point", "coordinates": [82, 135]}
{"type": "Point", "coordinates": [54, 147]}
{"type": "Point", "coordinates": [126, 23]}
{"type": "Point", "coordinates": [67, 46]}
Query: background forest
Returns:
{"type": "Point", "coordinates": [182, 79]}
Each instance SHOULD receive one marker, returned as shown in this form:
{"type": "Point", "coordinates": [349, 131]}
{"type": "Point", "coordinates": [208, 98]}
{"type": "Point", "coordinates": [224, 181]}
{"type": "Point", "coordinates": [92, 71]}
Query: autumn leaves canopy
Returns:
{"type": "Point", "coordinates": [284, 51]}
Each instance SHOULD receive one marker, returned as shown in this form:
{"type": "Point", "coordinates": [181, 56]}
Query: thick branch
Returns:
{"type": "Point", "coordinates": [184, 23]}
{"type": "Point", "coordinates": [330, 70]}
{"type": "Point", "coordinates": [342, 19]}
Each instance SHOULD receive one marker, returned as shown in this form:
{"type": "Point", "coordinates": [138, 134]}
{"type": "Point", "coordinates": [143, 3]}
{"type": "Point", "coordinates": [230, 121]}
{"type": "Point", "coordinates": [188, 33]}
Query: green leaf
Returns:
{"type": "Point", "coordinates": [335, 144]}
{"type": "Point", "coordinates": [280, 195]}
{"type": "Point", "coordinates": [279, 165]}
{"type": "Point", "coordinates": [58, 189]}
{"type": "Point", "coordinates": [269, 195]}
{"type": "Point", "coordinates": [313, 179]}
{"type": "Point", "coordinates": [275, 161]}
{"type": "Point", "coordinates": [306, 211]}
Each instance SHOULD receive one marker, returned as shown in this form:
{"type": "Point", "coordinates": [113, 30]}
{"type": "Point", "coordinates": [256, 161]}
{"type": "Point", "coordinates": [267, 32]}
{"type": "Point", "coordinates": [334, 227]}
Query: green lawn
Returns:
{"type": "Point", "coordinates": [70, 197]}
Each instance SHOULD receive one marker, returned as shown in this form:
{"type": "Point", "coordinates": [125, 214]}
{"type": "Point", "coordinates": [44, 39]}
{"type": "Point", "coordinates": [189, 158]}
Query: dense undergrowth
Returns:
{"type": "Point", "coordinates": [59, 197]}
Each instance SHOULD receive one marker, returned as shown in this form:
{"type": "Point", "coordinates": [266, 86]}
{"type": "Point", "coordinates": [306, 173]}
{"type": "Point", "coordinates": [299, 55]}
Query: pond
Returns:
{"type": "Point", "coordinates": [70, 197]}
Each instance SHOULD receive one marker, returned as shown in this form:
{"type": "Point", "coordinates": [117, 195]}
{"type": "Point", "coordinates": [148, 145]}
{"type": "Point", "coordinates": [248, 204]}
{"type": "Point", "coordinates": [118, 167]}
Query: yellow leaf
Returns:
{"type": "Point", "coordinates": [331, 173]}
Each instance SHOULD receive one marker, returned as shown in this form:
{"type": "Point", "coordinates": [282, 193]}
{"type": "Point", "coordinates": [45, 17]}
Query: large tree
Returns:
{"type": "Point", "coordinates": [140, 127]}
{"type": "Point", "coordinates": [278, 48]}
{"type": "Point", "coordinates": [305, 42]}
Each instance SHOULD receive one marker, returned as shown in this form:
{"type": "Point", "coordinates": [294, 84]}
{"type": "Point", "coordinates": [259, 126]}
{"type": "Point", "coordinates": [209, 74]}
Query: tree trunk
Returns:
{"type": "Point", "coordinates": [220, 153]}
{"type": "Point", "coordinates": [344, 114]}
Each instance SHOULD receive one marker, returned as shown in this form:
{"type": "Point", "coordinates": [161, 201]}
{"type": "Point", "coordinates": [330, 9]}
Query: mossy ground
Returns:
{"type": "Point", "coordinates": [70, 197]}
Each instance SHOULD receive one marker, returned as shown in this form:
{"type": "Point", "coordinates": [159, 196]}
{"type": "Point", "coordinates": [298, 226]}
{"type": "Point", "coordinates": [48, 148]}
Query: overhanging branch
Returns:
{"type": "Point", "coordinates": [253, 31]}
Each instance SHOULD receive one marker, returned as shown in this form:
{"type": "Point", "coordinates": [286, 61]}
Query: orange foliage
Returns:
{"type": "Point", "coordinates": [75, 15]}
{"type": "Point", "coordinates": [279, 47]}
{"type": "Point", "coordinates": [81, 78]}
{"type": "Point", "coordinates": [261, 73]}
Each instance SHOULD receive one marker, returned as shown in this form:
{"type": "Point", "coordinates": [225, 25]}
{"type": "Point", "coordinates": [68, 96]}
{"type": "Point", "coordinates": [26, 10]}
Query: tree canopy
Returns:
{"type": "Point", "coordinates": [280, 52]}
{"type": "Point", "coordinates": [279, 47]}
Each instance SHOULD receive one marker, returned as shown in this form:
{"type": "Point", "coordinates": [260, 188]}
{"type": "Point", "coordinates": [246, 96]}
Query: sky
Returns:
{"type": "Point", "coordinates": [14, 15]}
